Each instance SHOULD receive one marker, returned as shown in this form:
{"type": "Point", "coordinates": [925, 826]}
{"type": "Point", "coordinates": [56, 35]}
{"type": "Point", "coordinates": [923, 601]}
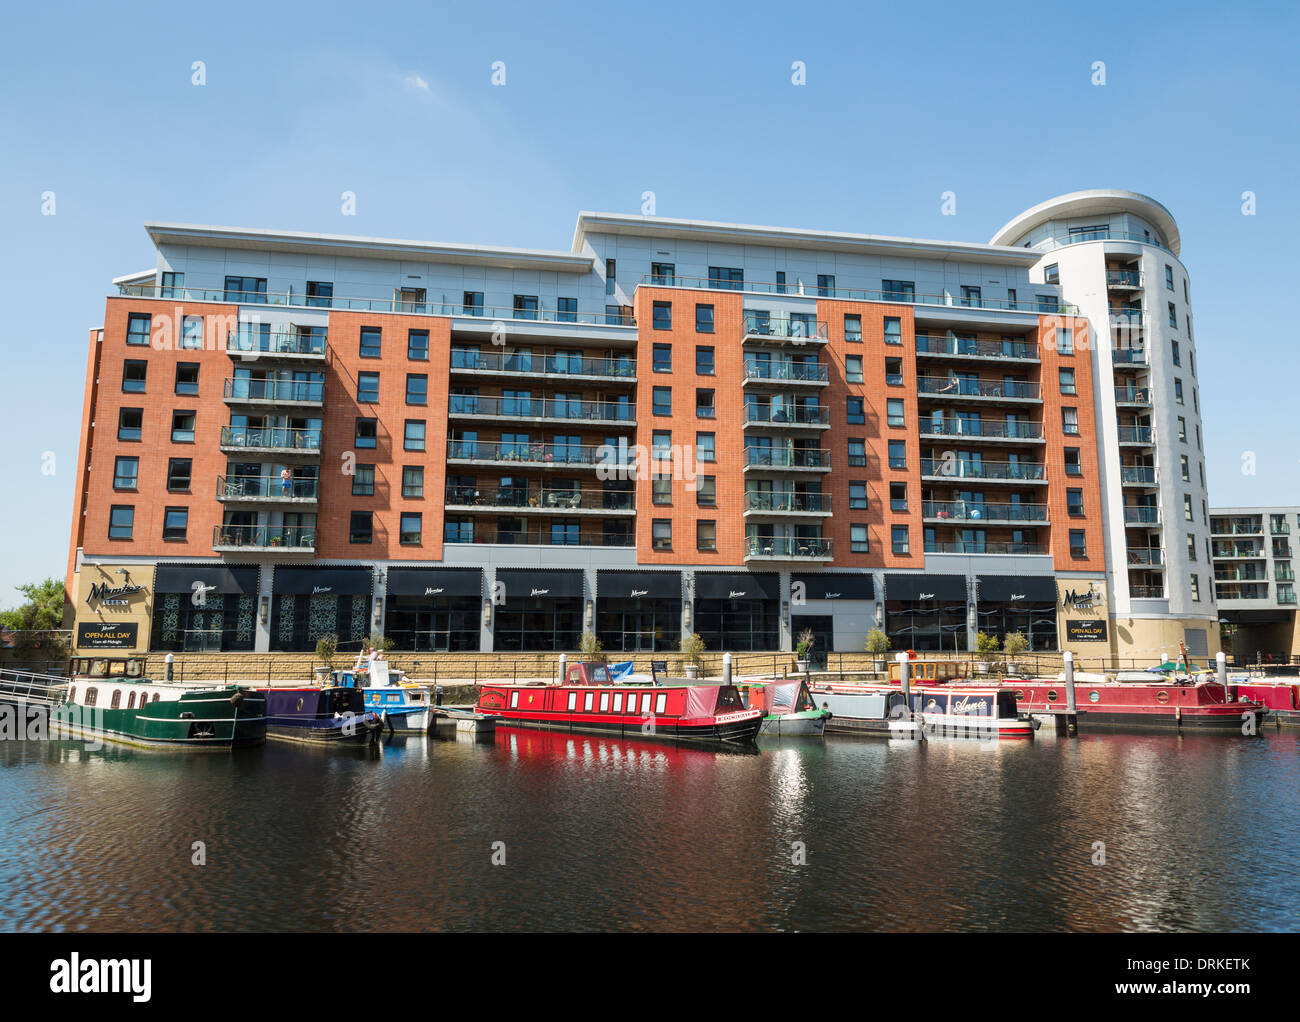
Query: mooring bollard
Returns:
{"type": "Point", "coordinates": [564, 667]}
{"type": "Point", "coordinates": [1070, 704]}
{"type": "Point", "coordinates": [1221, 671]}
{"type": "Point", "coordinates": [905, 676]}
{"type": "Point", "coordinates": [726, 668]}
{"type": "Point", "coordinates": [171, 665]}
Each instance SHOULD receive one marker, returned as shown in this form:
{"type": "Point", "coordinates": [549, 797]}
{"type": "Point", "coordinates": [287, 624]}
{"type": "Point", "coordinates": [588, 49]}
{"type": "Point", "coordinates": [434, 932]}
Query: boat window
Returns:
{"type": "Point", "coordinates": [72, 694]}
{"type": "Point", "coordinates": [300, 702]}
{"type": "Point", "coordinates": [99, 668]}
{"type": "Point", "coordinates": [514, 698]}
{"type": "Point", "coordinates": [117, 699]}
{"type": "Point", "coordinates": [155, 697]}
{"type": "Point", "coordinates": [645, 704]}
{"type": "Point", "coordinates": [586, 703]}
{"type": "Point", "coordinates": [604, 702]}
{"type": "Point", "coordinates": [618, 702]}
{"type": "Point", "coordinates": [1007, 705]}
{"type": "Point", "coordinates": [573, 700]}
{"type": "Point", "coordinates": [92, 694]}
{"type": "Point", "coordinates": [135, 668]}
{"type": "Point", "coordinates": [661, 701]}
{"type": "Point", "coordinates": [130, 701]}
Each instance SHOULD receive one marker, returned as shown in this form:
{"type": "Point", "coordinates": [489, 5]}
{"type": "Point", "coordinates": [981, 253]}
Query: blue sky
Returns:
{"type": "Point", "coordinates": [605, 101]}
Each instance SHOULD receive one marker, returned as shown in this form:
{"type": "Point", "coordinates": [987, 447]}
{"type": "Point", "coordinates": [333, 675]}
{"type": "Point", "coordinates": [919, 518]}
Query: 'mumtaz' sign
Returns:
{"type": "Point", "coordinates": [111, 596]}
{"type": "Point", "coordinates": [1082, 600]}
{"type": "Point", "coordinates": [317, 590]}
{"type": "Point", "coordinates": [433, 590]}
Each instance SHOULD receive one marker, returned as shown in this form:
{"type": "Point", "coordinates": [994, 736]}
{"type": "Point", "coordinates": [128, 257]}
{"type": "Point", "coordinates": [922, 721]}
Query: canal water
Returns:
{"type": "Point", "coordinates": [538, 831]}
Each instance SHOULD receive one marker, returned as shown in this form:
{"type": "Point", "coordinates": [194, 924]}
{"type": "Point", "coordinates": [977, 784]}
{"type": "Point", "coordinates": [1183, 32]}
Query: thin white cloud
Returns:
{"type": "Point", "coordinates": [415, 83]}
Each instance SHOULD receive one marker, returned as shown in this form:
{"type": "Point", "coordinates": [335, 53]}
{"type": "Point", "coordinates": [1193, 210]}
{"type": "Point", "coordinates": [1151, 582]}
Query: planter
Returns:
{"type": "Point", "coordinates": [983, 667]}
{"type": "Point", "coordinates": [878, 666]}
{"type": "Point", "coordinates": [801, 666]}
{"type": "Point", "coordinates": [692, 672]}
{"type": "Point", "coordinates": [322, 675]}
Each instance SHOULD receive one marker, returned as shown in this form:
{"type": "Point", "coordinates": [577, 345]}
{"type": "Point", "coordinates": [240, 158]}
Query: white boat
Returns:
{"type": "Point", "coordinates": [404, 709]}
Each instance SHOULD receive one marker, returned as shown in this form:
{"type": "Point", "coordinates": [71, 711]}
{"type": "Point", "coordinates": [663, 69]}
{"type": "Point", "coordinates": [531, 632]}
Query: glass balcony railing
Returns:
{"type": "Point", "coordinates": [275, 391]}
{"type": "Point", "coordinates": [1141, 515]}
{"type": "Point", "coordinates": [1132, 395]}
{"type": "Point", "coordinates": [795, 415]}
{"type": "Point", "coordinates": [973, 346]}
{"type": "Point", "coordinates": [541, 408]}
{"type": "Point", "coordinates": [1229, 550]}
{"type": "Point", "coordinates": [265, 488]}
{"type": "Point", "coordinates": [1138, 474]}
{"type": "Point", "coordinates": [787, 547]}
{"type": "Point", "coordinates": [761, 324]}
{"type": "Point", "coordinates": [1284, 575]}
{"type": "Point", "coordinates": [983, 547]}
{"type": "Point", "coordinates": [954, 386]}
{"type": "Point", "coordinates": [959, 469]}
{"type": "Point", "coordinates": [265, 537]}
{"type": "Point", "coordinates": [269, 438]}
{"type": "Point", "coordinates": [1146, 592]}
{"type": "Point", "coordinates": [793, 372]}
{"type": "Point", "coordinates": [560, 499]}
{"type": "Point", "coordinates": [1135, 434]}
{"type": "Point", "coordinates": [528, 363]}
{"type": "Point", "coordinates": [1078, 237]}
{"type": "Point", "coordinates": [981, 428]}
{"type": "Point", "coordinates": [1128, 356]}
{"type": "Point", "coordinates": [541, 536]}
{"type": "Point", "coordinates": [280, 342]}
{"type": "Point", "coordinates": [1123, 278]}
{"type": "Point", "coordinates": [1140, 556]}
{"type": "Point", "coordinates": [986, 511]}
{"type": "Point", "coordinates": [758, 457]}
{"type": "Point", "coordinates": [787, 502]}
{"type": "Point", "coordinates": [1239, 527]}
{"type": "Point", "coordinates": [540, 453]}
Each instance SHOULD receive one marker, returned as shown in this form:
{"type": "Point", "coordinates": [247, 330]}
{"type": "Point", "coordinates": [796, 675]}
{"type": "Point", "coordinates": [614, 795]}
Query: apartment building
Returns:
{"type": "Point", "coordinates": [672, 426]}
{"type": "Point", "coordinates": [1254, 578]}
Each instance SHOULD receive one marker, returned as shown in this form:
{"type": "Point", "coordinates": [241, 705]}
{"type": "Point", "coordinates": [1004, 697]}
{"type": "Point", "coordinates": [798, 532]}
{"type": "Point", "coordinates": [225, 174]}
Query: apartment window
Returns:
{"type": "Point", "coordinates": [853, 368]}
{"type": "Point", "coordinates": [704, 361]}
{"type": "Point", "coordinates": [417, 389]}
{"type": "Point", "coordinates": [183, 427]}
{"type": "Point", "coordinates": [1191, 547]}
{"type": "Point", "coordinates": [704, 450]}
{"type": "Point", "coordinates": [893, 330]}
{"type": "Point", "coordinates": [898, 496]}
{"type": "Point", "coordinates": [1173, 316]}
{"type": "Point", "coordinates": [134, 373]}
{"type": "Point", "coordinates": [1196, 589]}
{"type": "Point", "coordinates": [858, 542]}
{"type": "Point", "coordinates": [898, 454]}
{"type": "Point", "coordinates": [1200, 467]}
{"type": "Point", "coordinates": [187, 379]}
{"type": "Point", "coordinates": [1078, 543]}
{"type": "Point", "coordinates": [1011, 298]}
{"type": "Point", "coordinates": [898, 290]}
{"type": "Point", "coordinates": [137, 329]}
{"type": "Point", "coordinates": [320, 293]}
{"type": "Point", "coordinates": [1048, 303]}
{"type": "Point", "coordinates": [363, 481]}
{"type": "Point", "coordinates": [1178, 390]}
{"type": "Point", "coordinates": [361, 527]}
{"type": "Point", "coordinates": [411, 528]}
{"type": "Point", "coordinates": [367, 434]}
{"type": "Point", "coordinates": [706, 493]}
{"type": "Point", "coordinates": [704, 407]}
{"type": "Point", "coordinates": [661, 489]}
{"type": "Point", "coordinates": [825, 285]}
{"type": "Point", "coordinates": [706, 534]}
{"type": "Point", "coordinates": [661, 444]}
{"type": "Point", "coordinates": [1187, 295]}
{"type": "Point", "coordinates": [1182, 429]}
{"type": "Point", "coordinates": [663, 358]}
{"type": "Point", "coordinates": [1070, 421]}
{"type": "Point", "coordinates": [898, 540]}
{"type": "Point", "coordinates": [663, 273]}
{"type": "Point", "coordinates": [413, 435]}
{"type": "Point", "coordinates": [1188, 513]}
{"type": "Point", "coordinates": [857, 453]}
{"type": "Point", "coordinates": [125, 473]}
{"type": "Point", "coordinates": [525, 306]}
{"type": "Point", "coordinates": [856, 412]}
{"type": "Point", "coordinates": [1067, 381]}
{"type": "Point", "coordinates": [704, 319]}
{"type": "Point", "coordinates": [417, 345]}
{"type": "Point", "coordinates": [663, 315]}
{"type": "Point", "coordinates": [130, 423]}
{"type": "Point", "coordinates": [176, 522]}
{"type": "Point", "coordinates": [857, 496]}
{"type": "Point", "coordinates": [371, 344]}
{"type": "Point", "coordinates": [566, 310]}
{"type": "Point", "coordinates": [726, 278]}
{"type": "Point", "coordinates": [1178, 358]}
{"type": "Point", "coordinates": [246, 289]}
{"type": "Point", "coordinates": [663, 400]}
{"type": "Point", "coordinates": [1073, 467]}
{"type": "Point", "coordinates": [1169, 277]}
{"type": "Point", "coordinates": [894, 372]}
{"type": "Point", "coordinates": [412, 481]}
{"type": "Point", "coordinates": [367, 388]}
{"type": "Point", "coordinates": [971, 296]}
{"type": "Point", "coordinates": [1196, 401]}
{"type": "Point", "coordinates": [1198, 436]}
{"type": "Point", "coordinates": [1052, 274]}
{"type": "Point", "coordinates": [1064, 341]}
{"type": "Point", "coordinates": [661, 534]}
{"type": "Point", "coordinates": [472, 303]}
{"type": "Point", "coordinates": [171, 284]}
{"type": "Point", "coordinates": [1186, 467]}
{"type": "Point", "coordinates": [894, 411]}
{"type": "Point", "coordinates": [1074, 503]}
{"type": "Point", "coordinates": [1191, 361]}
{"type": "Point", "coordinates": [192, 333]}
{"type": "Point", "coordinates": [121, 521]}
{"type": "Point", "coordinates": [179, 471]}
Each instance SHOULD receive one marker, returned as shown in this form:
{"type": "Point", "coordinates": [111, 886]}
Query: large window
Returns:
{"type": "Point", "coordinates": [137, 329]}
{"type": "Point", "coordinates": [361, 527]}
{"type": "Point", "coordinates": [417, 389]}
{"type": "Point", "coordinates": [413, 481]}
{"type": "Point", "coordinates": [413, 435]}
{"type": "Point", "coordinates": [417, 345]}
{"type": "Point", "coordinates": [371, 342]}
{"type": "Point", "coordinates": [175, 523]}
{"type": "Point", "coordinates": [134, 374]}
{"type": "Point", "coordinates": [367, 388]}
{"type": "Point", "coordinates": [412, 529]}
{"type": "Point", "coordinates": [121, 521]}
{"type": "Point", "coordinates": [179, 471]}
{"type": "Point", "coordinates": [130, 423]}
{"type": "Point", "coordinates": [367, 435]}
{"type": "Point", "coordinates": [246, 289]}
{"type": "Point", "coordinates": [125, 473]}
{"type": "Point", "coordinates": [704, 319]}
{"type": "Point", "coordinates": [726, 278]}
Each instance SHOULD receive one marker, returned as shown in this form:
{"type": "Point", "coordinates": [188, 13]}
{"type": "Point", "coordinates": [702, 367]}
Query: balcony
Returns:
{"type": "Point", "coordinates": [276, 539]}
{"type": "Point", "coordinates": [540, 536]}
{"type": "Point", "coordinates": [785, 548]}
{"type": "Point", "coordinates": [539, 455]}
{"type": "Point", "coordinates": [1128, 358]}
{"type": "Point", "coordinates": [268, 440]}
{"type": "Point", "coordinates": [546, 366]}
{"type": "Point", "coordinates": [1139, 396]}
{"type": "Point", "coordinates": [1236, 553]}
{"type": "Point", "coordinates": [300, 346]}
{"type": "Point", "coordinates": [544, 500]}
{"type": "Point", "coordinates": [983, 511]}
{"type": "Point", "coordinates": [759, 505]}
{"type": "Point", "coordinates": [1078, 237]}
{"type": "Point", "coordinates": [977, 547]}
{"type": "Point", "coordinates": [955, 388]}
{"type": "Point", "coordinates": [1284, 575]}
{"type": "Point", "coordinates": [1124, 280]}
{"type": "Point", "coordinates": [524, 409]}
{"type": "Point", "coordinates": [1238, 527]}
{"type": "Point", "coordinates": [975, 348]}
{"type": "Point", "coordinates": [977, 429]}
{"type": "Point", "coordinates": [758, 371]}
{"type": "Point", "coordinates": [1146, 592]}
{"type": "Point", "coordinates": [1141, 515]}
{"type": "Point", "coordinates": [244, 391]}
{"type": "Point", "coordinates": [1253, 573]}
{"type": "Point", "coordinates": [1146, 557]}
{"type": "Point", "coordinates": [787, 416]}
{"type": "Point", "coordinates": [956, 468]}
{"type": "Point", "coordinates": [1137, 475]}
{"type": "Point", "coordinates": [1135, 435]}
{"type": "Point", "coordinates": [763, 327]}
{"type": "Point", "coordinates": [1287, 599]}
{"type": "Point", "coordinates": [814, 460]}
{"type": "Point", "coordinates": [266, 490]}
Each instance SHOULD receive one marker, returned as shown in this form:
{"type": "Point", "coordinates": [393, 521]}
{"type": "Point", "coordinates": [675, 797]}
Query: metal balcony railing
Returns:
{"type": "Point", "coordinates": [986, 511]}
{"type": "Point", "coordinates": [793, 415]}
{"type": "Point", "coordinates": [266, 488]}
{"type": "Point", "coordinates": [956, 468]}
{"type": "Point", "coordinates": [1146, 592]}
{"type": "Point", "coordinates": [953, 386]}
{"type": "Point", "coordinates": [1123, 278]}
{"type": "Point", "coordinates": [796, 328]}
{"type": "Point", "coordinates": [562, 499]}
{"type": "Point", "coordinates": [541, 408]}
{"type": "Point", "coordinates": [785, 546]}
{"type": "Point", "coordinates": [275, 391]}
{"type": "Point", "coordinates": [280, 342]}
{"type": "Point", "coordinates": [1141, 515]}
{"type": "Point", "coordinates": [926, 345]}
{"type": "Point", "coordinates": [265, 536]}
{"type": "Point", "coordinates": [553, 364]}
{"type": "Point", "coordinates": [985, 547]}
{"type": "Point", "coordinates": [1135, 434]}
{"type": "Point", "coordinates": [1133, 395]}
{"type": "Point", "coordinates": [1128, 356]}
{"type": "Point", "coordinates": [791, 502]}
{"type": "Point", "coordinates": [982, 429]}
{"type": "Point", "coordinates": [541, 453]}
{"type": "Point", "coordinates": [793, 372]}
{"type": "Point", "coordinates": [540, 536]}
{"type": "Point", "coordinates": [1145, 556]}
{"type": "Point", "coordinates": [779, 457]}
{"type": "Point", "coordinates": [268, 438]}
{"type": "Point", "coordinates": [1139, 474]}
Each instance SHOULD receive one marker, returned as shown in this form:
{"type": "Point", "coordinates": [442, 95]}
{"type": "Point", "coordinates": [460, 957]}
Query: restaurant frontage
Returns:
{"type": "Point", "coordinates": [434, 609]}
{"type": "Point", "coordinates": [538, 610]}
{"type": "Point", "coordinates": [926, 612]}
{"type": "Point", "coordinates": [639, 611]}
{"type": "Point", "coordinates": [204, 608]}
{"type": "Point", "coordinates": [739, 611]}
{"type": "Point", "coordinates": [308, 603]}
{"type": "Point", "coordinates": [1018, 603]}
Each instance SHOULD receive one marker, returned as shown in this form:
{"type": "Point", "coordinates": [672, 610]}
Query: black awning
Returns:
{"type": "Point", "coordinates": [835, 585]}
{"type": "Point", "coordinates": [527, 583]}
{"type": "Point", "coordinates": [625, 585]}
{"type": "Point", "coordinates": [1017, 589]}
{"type": "Point", "coordinates": [218, 578]}
{"type": "Point", "coordinates": [949, 588]}
{"type": "Point", "coordinates": [435, 582]}
{"type": "Point", "coordinates": [737, 585]}
{"type": "Point", "coordinates": [1254, 617]}
{"type": "Point", "coordinates": [327, 581]}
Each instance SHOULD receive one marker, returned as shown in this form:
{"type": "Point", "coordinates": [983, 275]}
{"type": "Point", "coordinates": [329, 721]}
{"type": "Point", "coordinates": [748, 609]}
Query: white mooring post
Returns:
{"type": "Point", "coordinates": [1070, 705]}
{"type": "Point", "coordinates": [1221, 671]}
{"type": "Point", "coordinates": [564, 668]}
{"type": "Point", "coordinates": [905, 676]}
{"type": "Point", "coordinates": [726, 668]}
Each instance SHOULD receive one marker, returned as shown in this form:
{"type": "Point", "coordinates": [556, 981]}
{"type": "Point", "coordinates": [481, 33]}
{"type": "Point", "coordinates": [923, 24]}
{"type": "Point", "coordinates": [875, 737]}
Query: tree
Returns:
{"type": "Point", "coordinates": [1015, 643]}
{"type": "Point", "coordinates": [43, 610]}
{"type": "Point", "coordinates": [692, 647]}
{"type": "Point", "coordinates": [592, 647]}
{"type": "Point", "coordinates": [985, 643]}
{"type": "Point", "coordinates": [877, 641]}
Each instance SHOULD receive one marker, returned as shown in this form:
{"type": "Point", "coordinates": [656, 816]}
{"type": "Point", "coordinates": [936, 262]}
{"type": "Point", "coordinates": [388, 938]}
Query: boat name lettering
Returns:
{"type": "Point", "coordinates": [968, 704]}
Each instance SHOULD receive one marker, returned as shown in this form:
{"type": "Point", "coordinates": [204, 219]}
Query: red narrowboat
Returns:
{"type": "Point", "coordinates": [1279, 696]}
{"type": "Point", "coordinates": [674, 712]}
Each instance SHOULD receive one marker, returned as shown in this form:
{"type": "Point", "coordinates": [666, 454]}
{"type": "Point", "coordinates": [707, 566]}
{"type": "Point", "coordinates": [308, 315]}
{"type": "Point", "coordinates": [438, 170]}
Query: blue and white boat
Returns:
{"type": "Point", "coordinates": [402, 708]}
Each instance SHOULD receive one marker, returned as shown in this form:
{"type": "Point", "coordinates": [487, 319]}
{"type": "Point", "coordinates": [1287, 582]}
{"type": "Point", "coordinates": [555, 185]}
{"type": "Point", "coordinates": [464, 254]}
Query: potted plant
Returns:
{"type": "Point", "coordinates": [878, 646]}
{"type": "Point", "coordinates": [381, 643]}
{"type": "Point", "coordinates": [326, 646]}
{"type": "Point", "coordinates": [591, 647]}
{"type": "Point", "coordinates": [803, 647]}
{"type": "Point", "coordinates": [1015, 644]}
{"type": "Point", "coordinates": [693, 653]}
{"type": "Point", "coordinates": [985, 645]}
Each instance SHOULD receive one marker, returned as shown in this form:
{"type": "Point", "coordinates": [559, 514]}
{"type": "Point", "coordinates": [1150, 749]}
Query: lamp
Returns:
{"type": "Point", "coordinates": [379, 611]}
{"type": "Point", "coordinates": [264, 610]}
{"type": "Point", "coordinates": [591, 612]}
{"type": "Point", "coordinates": [487, 613]}
{"type": "Point", "coordinates": [686, 615]}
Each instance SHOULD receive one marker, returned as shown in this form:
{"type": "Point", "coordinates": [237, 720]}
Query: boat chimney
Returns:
{"type": "Point", "coordinates": [726, 668]}
{"type": "Point", "coordinates": [1070, 705]}
{"type": "Point", "coordinates": [1221, 671]}
{"type": "Point", "coordinates": [905, 676]}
